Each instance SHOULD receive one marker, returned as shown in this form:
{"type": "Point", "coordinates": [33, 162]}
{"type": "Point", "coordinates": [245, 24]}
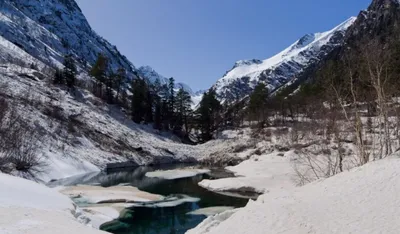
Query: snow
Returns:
{"type": "Point", "coordinates": [40, 26]}
{"type": "Point", "coordinates": [363, 200]}
{"type": "Point", "coordinates": [280, 68]}
{"type": "Point", "coordinates": [115, 194]}
{"type": "Point", "coordinates": [211, 222]}
{"type": "Point", "coordinates": [99, 215]}
{"type": "Point", "coordinates": [150, 74]}
{"type": "Point", "coordinates": [104, 135]}
{"type": "Point", "coordinates": [14, 192]}
{"type": "Point", "coordinates": [252, 70]}
{"type": "Point", "coordinates": [262, 174]}
{"type": "Point", "coordinates": [211, 211]}
{"type": "Point", "coordinates": [171, 201]}
{"type": "Point", "coordinates": [31, 208]}
{"type": "Point", "coordinates": [176, 174]}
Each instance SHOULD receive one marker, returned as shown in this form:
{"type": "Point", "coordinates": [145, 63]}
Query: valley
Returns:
{"type": "Point", "coordinates": [306, 141]}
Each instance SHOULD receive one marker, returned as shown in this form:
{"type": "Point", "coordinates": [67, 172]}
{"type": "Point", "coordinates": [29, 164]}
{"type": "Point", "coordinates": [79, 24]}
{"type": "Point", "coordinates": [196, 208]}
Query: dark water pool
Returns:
{"type": "Point", "coordinates": [159, 220]}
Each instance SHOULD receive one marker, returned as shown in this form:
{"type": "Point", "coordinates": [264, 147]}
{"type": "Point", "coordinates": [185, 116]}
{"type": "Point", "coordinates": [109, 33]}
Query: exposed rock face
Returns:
{"type": "Point", "coordinates": [49, 29]}
{"type": "Point", "coordinates": [150, 74]}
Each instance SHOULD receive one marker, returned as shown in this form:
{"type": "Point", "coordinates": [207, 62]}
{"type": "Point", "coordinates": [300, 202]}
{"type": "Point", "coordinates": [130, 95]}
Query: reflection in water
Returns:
{"type": "Point", "coordinates": [159, 220]}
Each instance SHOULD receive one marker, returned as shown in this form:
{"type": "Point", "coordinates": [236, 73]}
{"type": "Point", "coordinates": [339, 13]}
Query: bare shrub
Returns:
{"type": "Point", "coordinates": [24, 155]}
{"type": "Point", "coordinates": [309, 167]}
{"type": "Point", "coordinates": [18, 143]}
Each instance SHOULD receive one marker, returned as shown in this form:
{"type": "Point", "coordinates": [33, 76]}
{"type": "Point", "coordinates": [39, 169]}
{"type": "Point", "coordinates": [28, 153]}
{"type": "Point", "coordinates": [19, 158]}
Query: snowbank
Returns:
{"type": "Point", "coordinates": [211, 222]}
{"type": "Point", "coordinates": [100, 133]}
{"type": "Point", "coordinates": [115, 194]}
{"type": "Point", "coordinates": [31, 208]}
{"type": "Point", "coordinates": [171, 201]}
{"type": "Point", "coordinates": [176, 174]}
{"type": "Point", "coordinates": [99, 215]}
{"type": "Point", "coordinates": [364, 200]}
{"type": "Point", "coordinates": [261, 174]}
{"type": "Point", "coordinates": [210, 211]}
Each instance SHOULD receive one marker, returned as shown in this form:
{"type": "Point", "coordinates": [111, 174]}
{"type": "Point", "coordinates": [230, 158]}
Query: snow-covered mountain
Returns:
{"type": "Point", "coordinates": [49, 29]}
{"type": "Point", "coordinates": [41, 32]}
{"type": "Point", "coordinates": [281, 68]}
{"type": "Point", "coordinates": [150, 74]}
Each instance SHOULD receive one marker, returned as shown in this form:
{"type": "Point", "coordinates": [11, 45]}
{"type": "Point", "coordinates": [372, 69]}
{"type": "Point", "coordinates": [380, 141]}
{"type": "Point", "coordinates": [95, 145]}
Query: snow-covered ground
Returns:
{"type": "Point", "coordinates": [284, 67]}
{"type": "Point", "coordinates": [210, 211]}
{"type": "Point", "coordinates": [80, 133]}
{"type": "Point", "coordinates": [116, 194]}
{"type": "Point", "coordinates": [176, 174]}
{"type": "Point", "coordinates": [261, 174]}
{"type": "Point", "coordinates": [363, 200]}
{"type": "Point", "coordinates": [30, 208]}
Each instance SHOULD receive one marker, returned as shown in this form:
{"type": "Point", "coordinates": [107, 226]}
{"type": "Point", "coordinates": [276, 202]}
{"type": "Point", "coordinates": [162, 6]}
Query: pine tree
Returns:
{"type": "Point", "coordinates": [109, 96]}
{"type": "Point", "coordinates": [69, 71]}
{"type": "Point", "coordinates": [258, 102]}
{"type": "Point", "coordinates": [208, 115]}
{"type": "Point", "coordinates": [138, 102]}
{"type": "Point", "coordinates": [163, 93]}
{"type": "Point", "coordinates": [165, 115]}
{"type": "Point", "coordinates": [157, 113]}
{"type": "Point", "coordinates": [34, 66]}
{"type": "Point", "coordinates": [58, 78]}
{"type": "Point", "coordinates": [99, 72]}
{"type": "Point", "coordinates": [119, 81]}
{"type": "Point", "coordinates": [183, 110]}
{"type": "Point", "coordinates": [171, 102]}
{"type": "Point", "coordinates": [148, 105]}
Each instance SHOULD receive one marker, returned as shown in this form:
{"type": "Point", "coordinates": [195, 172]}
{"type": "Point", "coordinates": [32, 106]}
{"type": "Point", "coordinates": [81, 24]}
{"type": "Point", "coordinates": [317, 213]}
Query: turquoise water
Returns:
{"type": "Point", "coordinates": [160, 220]}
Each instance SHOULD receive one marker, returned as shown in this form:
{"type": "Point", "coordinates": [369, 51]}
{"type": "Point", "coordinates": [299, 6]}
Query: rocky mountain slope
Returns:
{"type": "Point", "coordinates": [41, 32]}
{"type": "Point", "coordinates": [80, 133]}
{"type": "Point", "coordinates": [281, 68]}
{"type": "Point", "coordinates": [49, 29]}
{"type": "Point", "coordinates": [150, 74]}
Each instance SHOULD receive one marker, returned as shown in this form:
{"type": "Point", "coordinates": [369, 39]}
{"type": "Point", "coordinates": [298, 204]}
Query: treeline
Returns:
{"type": "Point", "coordinates": [359, 87]}
{"type": "Point", "coordinates": [162, 105]}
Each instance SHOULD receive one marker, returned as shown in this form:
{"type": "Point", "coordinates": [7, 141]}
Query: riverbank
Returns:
{"type": "Point", "coordinates": [28, 207]}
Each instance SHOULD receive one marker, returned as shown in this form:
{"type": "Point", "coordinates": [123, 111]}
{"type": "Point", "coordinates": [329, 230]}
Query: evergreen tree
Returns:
{"type": "Point", "coordinates": [124, 99]}
{"type": "Point", "coordinates": [160, 94]}
{"type": "Point", "coordinates": [34, 66]}
{"type": "Point", "coordinates": [69, 71]}
{"type": "Point", "coordinates": [208, 115]}
{"type": "Point", "coordinates": [119, 81]}
{"type": "Point", "coordinates": [258, 102]}
{"type": "Point", "coordinates": [148, 105]}
{"type": "Point", "coordinates": [163, 93]}
{"type": "Point", "coordinates": [138, 102]}
{"type": "Point", "coordinates": [171, 102]}
{"type": "Point", "coordinates": [58, 78]}
{"type": "Point", "coordinates": [109, 82]}
{"type": "Point", "coordinates": [165, 115]}
{"type": "Point", "coordinates": [183, 110]}
{"type": "Point", "coordinates": [157, 113]}
{"type": "Point", "coordinates": [99, 72]}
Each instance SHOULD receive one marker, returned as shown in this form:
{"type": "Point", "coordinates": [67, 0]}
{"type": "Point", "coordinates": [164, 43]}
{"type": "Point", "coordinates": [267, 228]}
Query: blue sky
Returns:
{"type": "Point", "coordinates": [197, 41]}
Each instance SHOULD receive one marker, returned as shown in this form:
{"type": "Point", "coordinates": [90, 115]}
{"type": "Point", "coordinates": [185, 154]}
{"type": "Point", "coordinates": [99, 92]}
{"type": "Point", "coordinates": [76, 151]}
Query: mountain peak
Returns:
{"type": "Point", "coordinates": [49, 29]}
{"type": "Point", "coordinates": [305, 40]}
{"type": "Point", "coordinates": [247, 62]}
{"type": "Point", "coordinates": [383, 4]}
{"type": "Point", "coordinates": [152, 76]}
{"type": "Point", "coordinates": [281, 68]}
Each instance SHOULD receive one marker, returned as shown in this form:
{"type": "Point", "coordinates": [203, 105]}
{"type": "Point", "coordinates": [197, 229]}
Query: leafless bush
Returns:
{"type": "Point", "coordinates": [309, 167]}
{"type": "Point", "coordinates": [18, 143]}
{"type": "Point", "coordinates": [55, 112]}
